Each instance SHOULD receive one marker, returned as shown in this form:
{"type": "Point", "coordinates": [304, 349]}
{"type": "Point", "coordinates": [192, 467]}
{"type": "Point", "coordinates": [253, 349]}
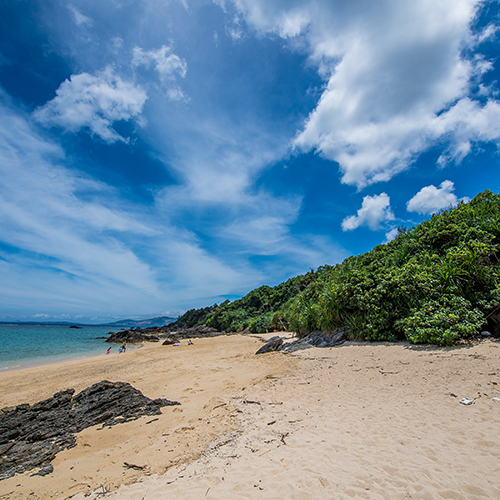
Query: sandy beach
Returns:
{"type": "Point", "coordinates": [374, 421]}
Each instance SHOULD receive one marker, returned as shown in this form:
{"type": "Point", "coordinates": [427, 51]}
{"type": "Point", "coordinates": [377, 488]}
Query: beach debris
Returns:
{"type": "Point", "coordinates": [272, 344]}
{"type": "Point", "coordinates": [248, 402]}
{"type": "Point", "coordinates": [272, 422]}
{"type": "Point", "coordinates": [104, 491]}
{"type": "Point", "coordinates": [496, 400]}
{"type": "Point", "coordinates": [283, 436]}
{"type": "Point", "coordinates": [218, 406]}
{"type": "Point", "coordinates": [31, 435]}
{"type": "Point", "coordinates": [133, 466]}
{"type": "Point", "coordinates": [467, 401]}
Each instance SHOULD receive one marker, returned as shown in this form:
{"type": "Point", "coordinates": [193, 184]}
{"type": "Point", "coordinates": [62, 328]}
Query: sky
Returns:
{"type": "Point", "coordinates": [160, 155]}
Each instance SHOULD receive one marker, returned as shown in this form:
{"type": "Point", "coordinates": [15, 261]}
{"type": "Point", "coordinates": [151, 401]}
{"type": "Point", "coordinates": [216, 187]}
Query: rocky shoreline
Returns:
{"type": "Point", "coordinates": [31, 436]}
{"type": "Point", "coordinates": [157, 333]}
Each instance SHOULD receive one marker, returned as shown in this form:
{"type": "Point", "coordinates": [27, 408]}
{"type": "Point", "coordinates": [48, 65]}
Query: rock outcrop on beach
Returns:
{"type": "Point", "coordinates": [191, 333]}
{"type": "Point", "coordinates": [314, 339]}
{"type": "Point", "coordinates": [131, 337]}
{"type": "Point", "coordinates": [31, 436]}
{"type": "Point", "coordinates": [155, 333]}
{"type": "Point", "coordinates": [195, 332]}
{"type": "Point", "coordinates": [273, 344]}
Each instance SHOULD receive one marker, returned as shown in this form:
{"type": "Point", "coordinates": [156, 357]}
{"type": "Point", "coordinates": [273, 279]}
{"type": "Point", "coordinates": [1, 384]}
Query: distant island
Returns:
{"type": "Point", "coordinates": [158, 321]}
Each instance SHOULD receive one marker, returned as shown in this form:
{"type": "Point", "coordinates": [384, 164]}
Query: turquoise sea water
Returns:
{"type": "Point", "coordinates": [29, 345]}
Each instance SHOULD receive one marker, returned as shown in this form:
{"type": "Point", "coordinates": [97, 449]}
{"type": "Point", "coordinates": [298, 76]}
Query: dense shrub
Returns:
{"type": "Point", "coordinates": [434, 283]}
{"type": "Point", "coordinates": [442, 321]}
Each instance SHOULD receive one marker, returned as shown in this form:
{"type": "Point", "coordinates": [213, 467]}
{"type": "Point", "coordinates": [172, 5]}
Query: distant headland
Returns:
{"type": "Point", "coordinates": [157, 321]}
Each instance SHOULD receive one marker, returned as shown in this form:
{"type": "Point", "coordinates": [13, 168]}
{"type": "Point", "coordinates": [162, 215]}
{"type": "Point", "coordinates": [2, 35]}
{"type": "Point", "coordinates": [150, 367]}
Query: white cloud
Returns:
{"type": "Point", "coordinates": [177, 94]}
{"type": "Point", "coordinates": [94, 103]}
{"type": "Point", "coordinates": [389, 236]}
{"type": "Point", "coordinates": [431, 199]}
{"type": "Point", "coordinates": [397, 80]}
{"type": "Point", "coordinates": [117, 43]}
{"type": "Point", "coordinates": [373, 212]}
{"type": "Point", "coordinates": [165, 62]}
{"type": "Point", "coordinates": [466, 123]}
{"type": "Point", "coordinates": [78, 17]}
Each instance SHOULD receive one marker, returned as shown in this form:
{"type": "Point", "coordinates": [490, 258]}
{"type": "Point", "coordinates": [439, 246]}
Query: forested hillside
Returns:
{"type": "Point", "coordinates": [435, 283]}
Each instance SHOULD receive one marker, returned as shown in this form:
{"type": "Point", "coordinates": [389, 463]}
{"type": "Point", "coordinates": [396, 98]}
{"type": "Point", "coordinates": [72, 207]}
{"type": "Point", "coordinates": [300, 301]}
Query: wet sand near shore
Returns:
{"type": "Point", "coordinates": [371, 421]}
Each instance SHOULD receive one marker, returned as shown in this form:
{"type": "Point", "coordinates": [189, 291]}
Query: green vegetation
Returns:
{"type": "Point", "coordinates": [435, 283]}
{"type": "Point", "coordinates": [258, 311]}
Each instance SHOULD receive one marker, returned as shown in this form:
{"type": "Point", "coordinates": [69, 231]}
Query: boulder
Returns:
{"type": "Point", "coordinates": [273, 344]}
{"type": "Point", "coordinates": [171, 339]}
{"type": "Point", "coordinates": [316, 339]}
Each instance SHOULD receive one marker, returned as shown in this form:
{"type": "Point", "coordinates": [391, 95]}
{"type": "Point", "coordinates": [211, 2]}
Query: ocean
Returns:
{"type": "Point", "coordinates": [30, 345]}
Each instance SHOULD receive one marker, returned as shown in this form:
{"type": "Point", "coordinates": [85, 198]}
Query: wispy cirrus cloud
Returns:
{"type": "Point", "coordinates": [167, 65]}
{"type": "Point", "coordinates": [78, 17]}
{"type": "Point", "coordinates": [87, 248]}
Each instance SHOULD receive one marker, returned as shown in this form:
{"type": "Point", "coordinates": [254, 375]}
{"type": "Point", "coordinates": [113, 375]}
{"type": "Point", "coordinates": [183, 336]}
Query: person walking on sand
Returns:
{"type": "Point", "coordinates": [124, 346]}
{"type": "Point", "coordinates": [109, 350]}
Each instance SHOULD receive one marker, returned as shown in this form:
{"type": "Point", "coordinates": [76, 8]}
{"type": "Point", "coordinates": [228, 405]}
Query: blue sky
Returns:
{"type": "Point", "coordinates": [161, 155]}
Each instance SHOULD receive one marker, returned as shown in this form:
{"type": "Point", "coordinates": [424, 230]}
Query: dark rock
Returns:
{"type": "Point", "coordinates": [31, 436]}
{"type": "Point", "coordinates": [153, 334]}
{"type": "Point", "coordinates": [196, 332]}
{"type": "Point", "coordinates": [170, 340]}
{"type": "Point", "coordinates": [316, 339]}
{"type": "Point", "coordinates": [74, 326]}
{"type": "Point", "coordinates": [48, 469]}
{"type": "Point", "coordinates": [272, 344]}
{"type": "Point", "coordinates": [131, 337]}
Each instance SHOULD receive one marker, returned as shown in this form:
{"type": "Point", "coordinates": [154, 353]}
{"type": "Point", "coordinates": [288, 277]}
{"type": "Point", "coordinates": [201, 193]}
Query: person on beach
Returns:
{"type": "Point", "coordinates": [124, 346]}
{"type": "Point", "coordinates": [109, 350]}
{"type": "Point", "coordinates": [190, 342]}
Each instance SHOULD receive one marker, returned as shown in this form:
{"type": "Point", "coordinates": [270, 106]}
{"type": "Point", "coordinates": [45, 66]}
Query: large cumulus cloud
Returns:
{"type": "Point", "coordinates": [397, 79]}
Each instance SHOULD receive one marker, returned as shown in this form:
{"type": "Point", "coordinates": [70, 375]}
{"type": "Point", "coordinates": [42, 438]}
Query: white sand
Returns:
{"type": "Point", "coordinates": [372, 421]}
